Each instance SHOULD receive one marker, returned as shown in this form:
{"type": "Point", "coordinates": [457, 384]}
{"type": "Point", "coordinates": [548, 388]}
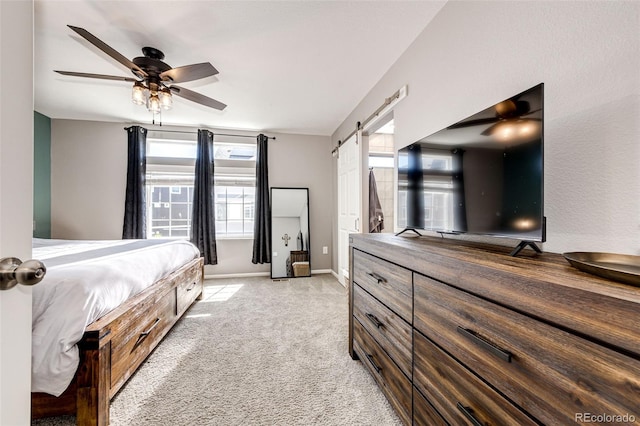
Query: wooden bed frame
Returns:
{"type": "Point", "coordinates": [114, 346]}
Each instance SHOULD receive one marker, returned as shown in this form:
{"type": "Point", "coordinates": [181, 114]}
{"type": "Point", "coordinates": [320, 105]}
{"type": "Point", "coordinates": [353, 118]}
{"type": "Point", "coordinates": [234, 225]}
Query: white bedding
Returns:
{"type": "Point", "coordinates": [84, 281]}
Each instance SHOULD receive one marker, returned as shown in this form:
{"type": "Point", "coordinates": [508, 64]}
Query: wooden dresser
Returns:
{"type": "Point", "coordinates": [461, 333]}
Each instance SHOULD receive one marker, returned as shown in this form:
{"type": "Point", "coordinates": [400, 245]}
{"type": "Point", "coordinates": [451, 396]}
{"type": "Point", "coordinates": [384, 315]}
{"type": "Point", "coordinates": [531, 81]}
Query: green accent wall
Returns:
{"type": "Point", "coordinates": [41, 175]}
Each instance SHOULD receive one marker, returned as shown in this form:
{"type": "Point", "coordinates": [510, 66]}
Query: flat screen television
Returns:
{"type": "Point", "coordinates": [482, 175]}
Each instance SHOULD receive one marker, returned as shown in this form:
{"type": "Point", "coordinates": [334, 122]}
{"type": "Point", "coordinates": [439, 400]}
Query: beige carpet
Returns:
{"type": "Point", "coordinates": [255, 352]}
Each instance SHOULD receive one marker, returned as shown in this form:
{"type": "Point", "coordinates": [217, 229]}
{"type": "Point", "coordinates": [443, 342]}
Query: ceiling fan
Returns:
{"type": "Point", "coordinates": [510, 115]}
{"type": "Point", "coordinates": [153, 85]}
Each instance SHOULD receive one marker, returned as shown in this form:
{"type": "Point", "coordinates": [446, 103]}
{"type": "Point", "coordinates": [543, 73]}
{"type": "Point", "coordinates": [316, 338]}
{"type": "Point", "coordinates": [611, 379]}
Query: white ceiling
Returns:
{"type": "Point", "coordinates": [285, 66]}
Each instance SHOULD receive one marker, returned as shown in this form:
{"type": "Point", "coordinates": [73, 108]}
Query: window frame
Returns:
{"type": "Point", "coordinates": [227, 173]}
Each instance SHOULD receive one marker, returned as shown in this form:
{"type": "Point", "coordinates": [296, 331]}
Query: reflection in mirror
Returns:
{"type": "Point", "coordinates": [290, 233]}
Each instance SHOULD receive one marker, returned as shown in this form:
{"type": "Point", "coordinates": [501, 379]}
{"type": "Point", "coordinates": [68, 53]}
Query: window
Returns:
{"type": "Point", "coordinates": [169, 210]}
{"type": "Point", "coordinates": [170, 173]}
{"type": "Point", "coordinates": [235, 206]}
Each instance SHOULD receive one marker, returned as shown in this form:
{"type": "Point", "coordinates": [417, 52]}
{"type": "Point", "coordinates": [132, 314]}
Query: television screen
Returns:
{"type": "Point", "coordinates": [481, 175]}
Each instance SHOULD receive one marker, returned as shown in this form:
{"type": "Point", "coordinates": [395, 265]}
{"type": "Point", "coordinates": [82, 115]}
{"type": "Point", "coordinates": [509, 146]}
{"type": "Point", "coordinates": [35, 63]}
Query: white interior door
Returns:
{"type": "Point", "coordinates": [349, 199]}
{"type": "Point", "coordinates": [16, 205]}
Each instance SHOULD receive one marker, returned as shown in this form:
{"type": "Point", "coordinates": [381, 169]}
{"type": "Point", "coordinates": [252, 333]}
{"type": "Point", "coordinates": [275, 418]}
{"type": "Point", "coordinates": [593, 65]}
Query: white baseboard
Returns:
{"type": "Point", "coordinates": [242, 275]}
{"type": "Point", "coordinates": [337, 277]}
{"type": "Point", "coordinates": [262, 274]}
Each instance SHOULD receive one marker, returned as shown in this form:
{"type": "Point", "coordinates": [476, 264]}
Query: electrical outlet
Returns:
{"type": "Point", "coordinates": [325, 250]}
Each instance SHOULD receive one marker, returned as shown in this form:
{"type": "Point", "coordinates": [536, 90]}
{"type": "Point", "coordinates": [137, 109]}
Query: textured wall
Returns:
{"type": "Point", "coordinates": [474, 54]}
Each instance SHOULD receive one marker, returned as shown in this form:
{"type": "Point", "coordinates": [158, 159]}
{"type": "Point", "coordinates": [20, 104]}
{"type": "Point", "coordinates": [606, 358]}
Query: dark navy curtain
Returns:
{"type": "Point", "coordinates": [262, 220]}
{"type": "Point", "coordinates": [135, 209]}
{"type": "Point", "coordinates": [203, 217]}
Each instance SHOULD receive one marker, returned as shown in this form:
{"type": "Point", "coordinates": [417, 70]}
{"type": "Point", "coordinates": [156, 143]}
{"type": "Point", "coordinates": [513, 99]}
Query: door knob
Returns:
{"type": "Point", "coordinates": [14, 271]}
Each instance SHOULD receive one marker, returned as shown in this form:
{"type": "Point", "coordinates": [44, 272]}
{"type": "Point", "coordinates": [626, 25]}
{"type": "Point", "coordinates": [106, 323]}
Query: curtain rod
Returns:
{"type": "Point", "coordinates": [195, 133]}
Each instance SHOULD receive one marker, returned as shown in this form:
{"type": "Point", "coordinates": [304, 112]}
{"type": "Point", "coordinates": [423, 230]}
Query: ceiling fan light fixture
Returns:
{"type": "Point", "coordinates": [166, 101]}
{"type": "Point", "coordinates": [153, 104]}
{"type": "Point", "coordinates": [139, 95]}
{"type": "Point", "coordinates": [511, 129]}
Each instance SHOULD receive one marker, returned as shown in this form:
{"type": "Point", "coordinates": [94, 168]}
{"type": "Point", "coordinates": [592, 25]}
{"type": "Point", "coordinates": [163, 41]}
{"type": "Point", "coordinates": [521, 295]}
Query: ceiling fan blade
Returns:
{"type": "Point", "coordinates": [197, 97]}
{"type": "Point", "coordinates": [471, 123]}
{"type": "Point", "coordinates": [489, 130]}
{"type": "Point", "coordinates": [189, 72]}
{"type": "Point", "coordinates": [109, 50]}
{"type": "Point", "coordinates": [100, 76]}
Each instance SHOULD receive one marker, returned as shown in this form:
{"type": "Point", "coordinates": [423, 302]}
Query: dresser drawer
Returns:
{"type": "Point", "coordinates": [393, 383]}
{"type": "Point", "coordinates": [131, 346]}
{"type": "Point", "coordinates": [458, 395]}
{"type": "Point", "coordinates": [551, 374]}
{"type": "Point", "coordinates": [385, 281]}
{"type": "Point", "coordinates": [423, 412]}
{"type": "Point", "coordinates": [387, 328]}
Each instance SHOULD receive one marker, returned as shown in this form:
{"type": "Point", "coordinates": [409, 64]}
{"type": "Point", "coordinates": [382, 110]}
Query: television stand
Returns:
{"type": "Point", "coordinates": [409, 229]}
{"type": "Point", "coordinates": [522, 245]}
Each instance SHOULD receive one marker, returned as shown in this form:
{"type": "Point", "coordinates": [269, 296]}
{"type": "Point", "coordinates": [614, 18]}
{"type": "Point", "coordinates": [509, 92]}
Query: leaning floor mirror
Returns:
{"type": "Point", "coordinates": [290, 233]}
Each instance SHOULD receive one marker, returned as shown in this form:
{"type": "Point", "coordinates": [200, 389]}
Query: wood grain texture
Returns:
{"type": "Point", "coordinates": [424, 414]}
{"type": "Point", "coordinates": [551, 341]}
{"type": "Point", "coordinates": [385, 281]}
{"type": "Point", "coordinates": [552, 374]}
{"type": "Point", "coordinates": [391, 332]}
{"type": "Point", "coordinates": [45, 405]}
{"type": "Point", "coordinates": [349, 284]}
{"type": "Point", "coordinates": [92, 384]}
{"type": "Point", "coordinates": [543, 286]}
{"type": "Point", "coordinates": [188, 290]}
{"type": "Point", "coordinates": [394, 384]}
{"type": "Point", "coordinates": [131, 346]}
{"type": "Point", "coordinates": [446, 384]}
{"type": "Point", "coordinates": [102, 372]}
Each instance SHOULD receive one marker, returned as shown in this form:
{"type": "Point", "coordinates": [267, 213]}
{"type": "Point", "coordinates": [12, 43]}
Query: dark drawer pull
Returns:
{"type": "Point", "coordinates": [499, 352]}
{"type": "Point", "coordinates": [150, 329]}
{"type": "Point", "coordinates": [468, 413]}
{"type": "Point", "coordinates": [373, 363]}
{"type": "Point", "coordinates": [145, 333]}
{"type": "Point", "coordinates": [192, 286]}
{"type": "Point", "coordinates": [377, 277]}
{"type": "Point", "coordinates": [374, 319]}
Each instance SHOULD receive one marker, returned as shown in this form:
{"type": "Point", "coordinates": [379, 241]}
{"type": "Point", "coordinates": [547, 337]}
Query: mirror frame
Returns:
{"type": "Point", "coordinates": [276, 239]}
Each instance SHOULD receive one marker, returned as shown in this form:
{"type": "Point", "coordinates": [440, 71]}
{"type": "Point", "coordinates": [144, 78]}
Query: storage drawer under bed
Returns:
{"type": "Point", "coordinates": [188, 289]}
{"type": "Point", "coordinates": [131, 345]}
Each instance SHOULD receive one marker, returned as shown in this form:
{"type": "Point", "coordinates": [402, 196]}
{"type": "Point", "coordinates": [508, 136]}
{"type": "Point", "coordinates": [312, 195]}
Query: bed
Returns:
{"type": "Point", "coordinates": [101, 309]}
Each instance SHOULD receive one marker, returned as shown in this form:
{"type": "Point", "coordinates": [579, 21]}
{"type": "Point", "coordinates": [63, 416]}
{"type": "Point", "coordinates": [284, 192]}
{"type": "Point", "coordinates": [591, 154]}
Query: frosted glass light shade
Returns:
{"type": "Point", "coordinates": [138, 95]}
{"type": "Point", "coordinates": [154, 103]}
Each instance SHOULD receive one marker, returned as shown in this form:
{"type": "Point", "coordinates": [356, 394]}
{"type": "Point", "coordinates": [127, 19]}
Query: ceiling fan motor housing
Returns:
{"type": "Point", "coordinates": [153, 53]}
{"type": "Point", "coordinates": [152, 64]}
